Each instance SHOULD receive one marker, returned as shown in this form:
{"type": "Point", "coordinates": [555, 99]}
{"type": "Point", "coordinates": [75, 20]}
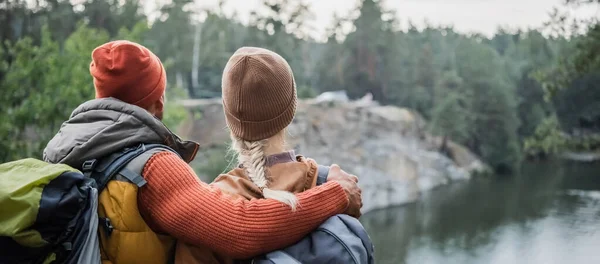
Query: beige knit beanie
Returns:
{"type": "Point", "coordinates": [259, 93]}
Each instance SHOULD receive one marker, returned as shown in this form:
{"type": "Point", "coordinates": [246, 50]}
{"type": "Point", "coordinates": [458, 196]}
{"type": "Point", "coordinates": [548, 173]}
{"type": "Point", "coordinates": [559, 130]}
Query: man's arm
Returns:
{"type": "Point", "coordinates": [176, 202]}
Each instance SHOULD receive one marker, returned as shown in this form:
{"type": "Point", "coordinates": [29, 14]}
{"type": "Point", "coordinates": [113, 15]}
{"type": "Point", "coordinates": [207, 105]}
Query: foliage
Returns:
{"type": "Point", "coordinates": [547, 138]}
{"type": "Point", "coordinates": [214, 161]}
{"type": "Point", "coordinates": [174, 113]}
{"type": "Point", "coordinates": [449, 118]}
{"type": "Point", "coordinates": [571, 86]}
{"type": "Point", "coordinates": [489, 94]}
{"type": "Point", "coordinates": [306, 92]}
{"type": "Point", "coordinates": [34, 107]}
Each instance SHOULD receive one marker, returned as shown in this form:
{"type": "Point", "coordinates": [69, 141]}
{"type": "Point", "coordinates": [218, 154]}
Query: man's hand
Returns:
{"type": "Point", "coordinates": [349, 183]}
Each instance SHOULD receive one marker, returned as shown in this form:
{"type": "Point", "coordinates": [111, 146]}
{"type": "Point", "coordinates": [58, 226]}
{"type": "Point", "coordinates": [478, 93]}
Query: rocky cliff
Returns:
{"type": "Point", "coordinates": [385, 146]}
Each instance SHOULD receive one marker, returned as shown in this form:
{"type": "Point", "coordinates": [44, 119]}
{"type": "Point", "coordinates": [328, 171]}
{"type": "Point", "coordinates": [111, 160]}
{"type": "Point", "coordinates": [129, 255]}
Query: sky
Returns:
{"type": "Point", "coordinates": [467, 16]}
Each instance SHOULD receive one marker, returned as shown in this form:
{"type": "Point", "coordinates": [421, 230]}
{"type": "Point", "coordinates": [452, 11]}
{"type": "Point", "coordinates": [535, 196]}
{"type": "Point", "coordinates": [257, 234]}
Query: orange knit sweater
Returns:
{"type": "Point", "coordinates": [176, 202]}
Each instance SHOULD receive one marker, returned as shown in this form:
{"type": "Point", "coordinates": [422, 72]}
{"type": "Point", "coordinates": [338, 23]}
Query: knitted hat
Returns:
{"type": "Point", "coordinates": [259, 93]}
{"type": "Point", "coordinates": [129, 72]}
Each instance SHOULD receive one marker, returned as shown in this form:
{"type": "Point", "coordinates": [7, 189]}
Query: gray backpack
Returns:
{"type": "Point", "coordinates": [340, 239]}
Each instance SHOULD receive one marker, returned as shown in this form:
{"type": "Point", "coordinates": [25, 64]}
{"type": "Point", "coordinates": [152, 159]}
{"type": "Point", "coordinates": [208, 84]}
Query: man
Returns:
{"type": "Point", "coordinates": [141, 224]}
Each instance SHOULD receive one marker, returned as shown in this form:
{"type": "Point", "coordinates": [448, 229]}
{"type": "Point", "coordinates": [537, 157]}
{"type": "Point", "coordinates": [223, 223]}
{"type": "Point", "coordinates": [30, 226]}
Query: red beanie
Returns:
{"type": "Point", "coordinates": [129, 72]}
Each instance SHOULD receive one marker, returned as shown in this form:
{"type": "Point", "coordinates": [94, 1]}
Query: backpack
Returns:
{"type": "Point", "coordinates": [340, 239]}
{"type": "Point", "coordinates": [50, 211]}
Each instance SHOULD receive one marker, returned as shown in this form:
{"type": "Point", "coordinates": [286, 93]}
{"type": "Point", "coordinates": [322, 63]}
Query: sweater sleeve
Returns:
{"type": "Point", "coordinates": [176, 202]}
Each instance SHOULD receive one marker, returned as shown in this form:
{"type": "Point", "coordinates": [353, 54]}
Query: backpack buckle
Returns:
{"type": "Point", "coordinates": [68, 246]}
{"type": "Point", "coordinates": [88, 165]}
{"type": "Point", "coordinates": [108, 227]}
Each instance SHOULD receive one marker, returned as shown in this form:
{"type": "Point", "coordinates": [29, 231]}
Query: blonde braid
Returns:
{"type": "Point", "coordinates": [251, 155]}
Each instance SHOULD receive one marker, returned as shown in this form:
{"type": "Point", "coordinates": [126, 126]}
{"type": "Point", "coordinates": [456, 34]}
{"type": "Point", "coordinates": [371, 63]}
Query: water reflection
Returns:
{"type": "Point", "coordinates": [548, 214]}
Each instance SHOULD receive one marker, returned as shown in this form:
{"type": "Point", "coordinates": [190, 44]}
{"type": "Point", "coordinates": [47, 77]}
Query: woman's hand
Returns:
{"type": "Point", "coordinates": [350, 186]}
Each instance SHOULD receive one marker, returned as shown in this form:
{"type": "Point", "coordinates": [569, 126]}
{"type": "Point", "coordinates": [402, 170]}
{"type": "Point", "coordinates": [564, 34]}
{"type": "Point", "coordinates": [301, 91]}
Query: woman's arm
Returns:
{"type": "Point", "coordinates": [176, 202]}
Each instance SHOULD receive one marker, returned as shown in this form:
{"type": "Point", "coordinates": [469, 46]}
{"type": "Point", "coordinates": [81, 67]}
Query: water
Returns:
{"type": "Point", "coordinates": [550, 213]}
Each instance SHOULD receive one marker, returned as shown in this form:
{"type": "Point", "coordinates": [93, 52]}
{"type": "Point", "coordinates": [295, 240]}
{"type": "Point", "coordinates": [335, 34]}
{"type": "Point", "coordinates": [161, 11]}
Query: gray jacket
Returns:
{"type": "Point", "coordinates": [103, 126]}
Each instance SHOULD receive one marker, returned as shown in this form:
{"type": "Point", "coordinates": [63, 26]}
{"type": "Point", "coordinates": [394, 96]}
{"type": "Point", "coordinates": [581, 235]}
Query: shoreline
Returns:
{"type": "Point", "coordinates": [587, 157]}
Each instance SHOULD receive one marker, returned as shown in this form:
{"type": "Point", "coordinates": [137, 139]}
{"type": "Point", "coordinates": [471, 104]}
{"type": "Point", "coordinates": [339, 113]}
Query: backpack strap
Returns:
{"type": "Point", "coordinates": [132, 171]}
{"type": "Point", "coordinates": [281, 256]}
{"type": "Point", "coordinates": [322, 173]}
{"type": "Point", "coordinates": [123, 164]}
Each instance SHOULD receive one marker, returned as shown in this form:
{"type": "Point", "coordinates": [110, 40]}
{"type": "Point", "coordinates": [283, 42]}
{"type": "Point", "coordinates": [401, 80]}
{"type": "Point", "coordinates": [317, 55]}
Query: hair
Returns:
{"type": "Point", "coordinates": [252, 156]}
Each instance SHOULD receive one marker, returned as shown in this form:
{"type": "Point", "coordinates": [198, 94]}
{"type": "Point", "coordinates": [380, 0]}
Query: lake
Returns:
{"type": "Point", "coordinates": [549, 213]}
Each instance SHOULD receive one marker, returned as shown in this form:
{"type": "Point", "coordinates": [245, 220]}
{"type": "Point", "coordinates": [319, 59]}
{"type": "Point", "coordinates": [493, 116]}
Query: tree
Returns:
{"type": "Point", "coordinates": [487, 93]}
{"type": "Point", "coordinates": [35, 107]}
{"type": "Point", "coordinates": [529, 52]}
{"type": "Point", "coordinates": [425, 81]}
{"type": "Point", "coordinates": [492, 102]}
{"type": "Point", "coordinates": [330, 73]}
{"type": "Point", "coordinates": [450, 118]}
{"type": "Point", "coordinates": [282, 16]}
{"type": "Point", "coordinates": [113, 15]}
{"type": "Point", "coordinates": [547, 139]}
{"type": "Point", "coordinates": [571, 86]}
{"type": "Point", "coordinates": [282, 27]}
{"type": "Point", "coordinates": [367, 49]}
{"type": "Point", "coordinates": [171, 38]}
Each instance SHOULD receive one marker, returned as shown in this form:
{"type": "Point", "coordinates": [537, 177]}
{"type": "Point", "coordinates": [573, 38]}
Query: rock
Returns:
{"type": "Point", "coordinates": [461, 156]}
{"type": "Point", "coordinates": [366, 100]}
{"type": "Point", "coordinates": [457, 173]}
{"type": "Point", "coordinates": [337, 96]}
{"type": "Point", "coordinates": [379, 191]}
{"type": "Point", "coordinates": [385, 146]}
{"type": "Point", "coordinates": [208, 126]}
{"type": "Point", "coordinates": [582, 156]}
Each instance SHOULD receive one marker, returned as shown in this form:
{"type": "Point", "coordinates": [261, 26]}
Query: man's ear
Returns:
{"type": "Point", "coordinates": [156, 109]}
{"type": "Point", "coordinates": [159, 109]}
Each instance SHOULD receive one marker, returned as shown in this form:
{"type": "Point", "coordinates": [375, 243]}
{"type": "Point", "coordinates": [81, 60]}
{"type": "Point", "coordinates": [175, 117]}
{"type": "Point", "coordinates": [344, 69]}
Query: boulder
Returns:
{"type": "Point", "coordinates": [385, 146]}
